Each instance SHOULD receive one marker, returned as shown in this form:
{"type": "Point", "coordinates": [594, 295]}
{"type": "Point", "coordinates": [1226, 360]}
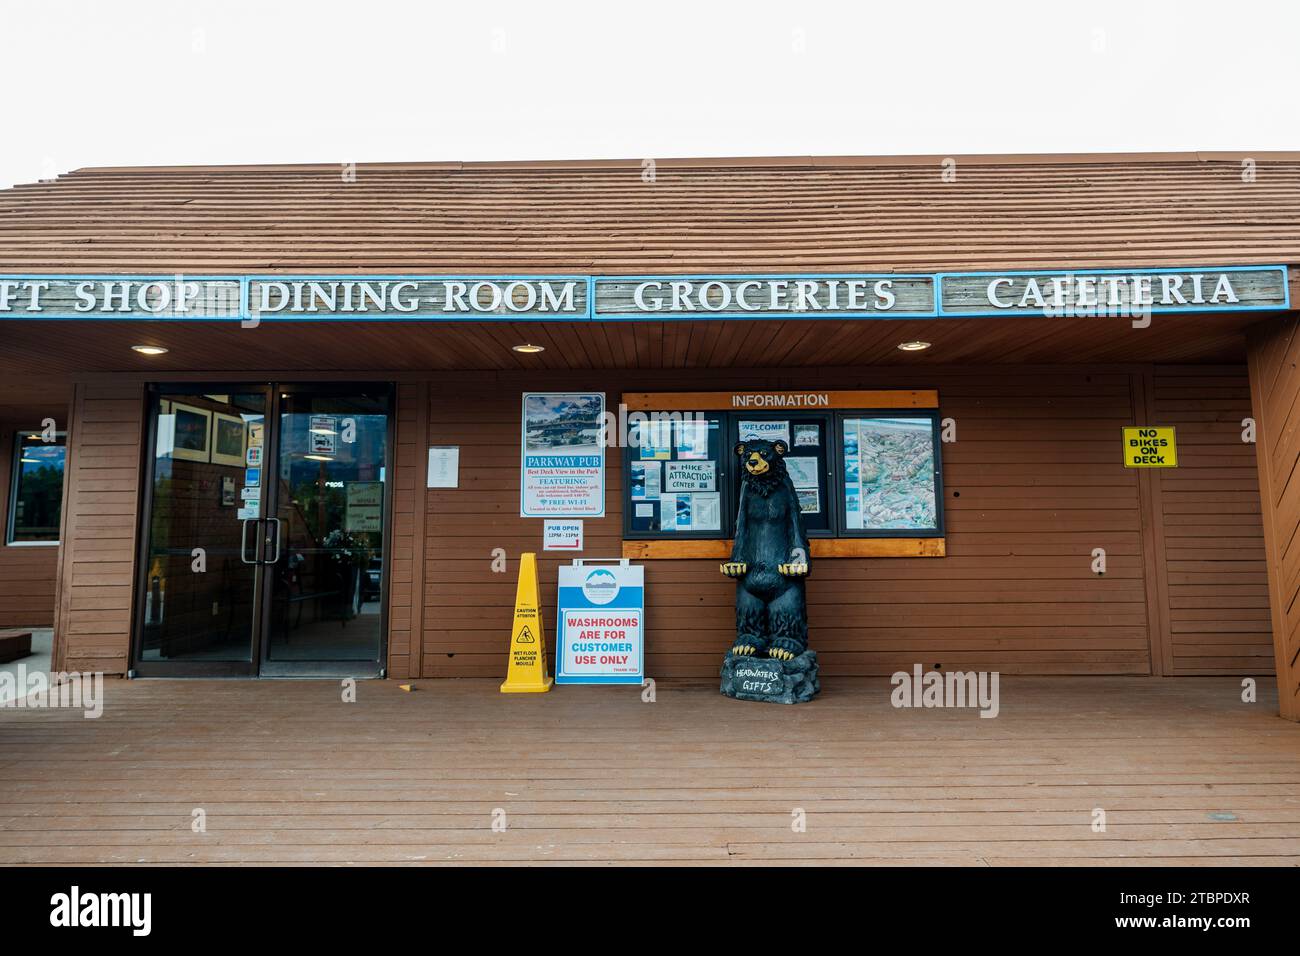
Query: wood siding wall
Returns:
{"type": "Point", "coordinates": [1274, 360]}
{"type": "Point", "coordinates": [26, 573]}
{"type": "Point", "coordinates": [1215, 579]}
{"type": "Point", "coordinates": [1033, 484]}
{"type": "Point", "coordinates": [100, 508]}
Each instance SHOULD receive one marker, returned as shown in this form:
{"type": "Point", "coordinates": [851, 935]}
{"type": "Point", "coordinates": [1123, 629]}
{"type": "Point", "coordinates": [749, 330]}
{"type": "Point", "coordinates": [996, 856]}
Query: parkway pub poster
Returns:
{"type": "Point", "coordinates": [563, 455]}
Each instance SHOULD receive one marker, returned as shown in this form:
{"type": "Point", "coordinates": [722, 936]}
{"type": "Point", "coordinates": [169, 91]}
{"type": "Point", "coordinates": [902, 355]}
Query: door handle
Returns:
{"type": "Point", "coordinates": [277, 540]}
{"type": "Point", "coordinates": [243, 541]}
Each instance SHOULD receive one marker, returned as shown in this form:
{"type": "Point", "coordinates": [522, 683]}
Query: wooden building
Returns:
{"type": "Point", "coordinates": [294, 300]}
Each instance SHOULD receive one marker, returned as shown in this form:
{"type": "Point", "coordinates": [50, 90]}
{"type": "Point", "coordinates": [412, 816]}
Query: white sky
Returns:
{"type": "Point", "coordinates": [171, 81]}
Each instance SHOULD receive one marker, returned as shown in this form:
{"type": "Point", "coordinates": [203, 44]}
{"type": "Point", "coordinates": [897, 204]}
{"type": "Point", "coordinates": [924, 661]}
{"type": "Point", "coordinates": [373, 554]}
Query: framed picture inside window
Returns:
{"type": "Point", "coordinates": [229, 440]}
{"type": "Point", "coordinates": [189, 431]}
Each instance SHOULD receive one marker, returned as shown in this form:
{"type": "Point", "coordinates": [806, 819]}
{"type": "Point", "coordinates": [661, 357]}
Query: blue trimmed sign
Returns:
{"type": "Point", "coordinates": [601, 623]}
{"type": "Point", "coordinates": [388, 298]}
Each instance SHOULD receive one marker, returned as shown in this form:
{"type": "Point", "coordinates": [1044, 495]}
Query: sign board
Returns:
{"type": "Point", "coordinates": [1113, 292]}
{"type": "Point", "coordinates": [767, 430]}
{"type": "Point", "coordinates": [1150, 446]}
{"type": "Point", "coordinates": [562, 455]}
{"type": "Point", "coordinates": [601, 627]}
{"type": "Point", "coordinates": [365, 507]}
{"type": "Point", "coordinates": [668, 402]}
{"type": "Point", "coordinates": [323, 432]}
{"type": "Point", "coordinates": [444, 467]}
{"type": "Point", "coordinates": [808, 297]}
{"type": "Point", "coordinates": [562, 534]}
{"type": "Point", "coordinates": [477, 298]}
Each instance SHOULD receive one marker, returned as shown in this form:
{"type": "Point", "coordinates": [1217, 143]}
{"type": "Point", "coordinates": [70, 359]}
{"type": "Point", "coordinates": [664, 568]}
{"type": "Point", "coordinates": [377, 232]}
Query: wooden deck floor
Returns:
{"type": "Point", "coordinates": [287, 773]}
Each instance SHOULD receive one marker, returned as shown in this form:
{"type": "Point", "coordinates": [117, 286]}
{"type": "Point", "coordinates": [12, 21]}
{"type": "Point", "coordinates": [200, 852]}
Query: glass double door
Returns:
{"type": "Point", "coordinates": [263, 549]}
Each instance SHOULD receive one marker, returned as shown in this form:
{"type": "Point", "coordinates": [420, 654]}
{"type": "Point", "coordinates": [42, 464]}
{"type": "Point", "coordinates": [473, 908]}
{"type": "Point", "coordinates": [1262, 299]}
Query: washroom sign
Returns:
{"type": "Point", "coordinates": [600, 628]}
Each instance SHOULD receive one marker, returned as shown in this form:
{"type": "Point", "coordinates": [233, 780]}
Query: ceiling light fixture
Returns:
{"type": "Point", "coordinates": [527, 349]}
{"type": "Point", "coordinates": [916, 346]}
{"type": "Point", "coordinates": [148, 349]}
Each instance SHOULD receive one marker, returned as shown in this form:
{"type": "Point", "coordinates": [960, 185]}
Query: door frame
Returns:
{"type": "Point", "coordinates": [253, 668]}
{"type": "Point", "coordinates": [265, 667]}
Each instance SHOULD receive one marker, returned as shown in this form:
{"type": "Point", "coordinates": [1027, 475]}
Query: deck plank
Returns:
{"type": "Point", "coordinates": [287, 773]}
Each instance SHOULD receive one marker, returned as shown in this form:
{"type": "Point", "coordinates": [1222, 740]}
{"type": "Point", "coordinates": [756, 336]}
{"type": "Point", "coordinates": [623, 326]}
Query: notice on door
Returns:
{"type": "Point", "coordinates": [365, 508]}
{"type": "Point", "coordinates": [1150, 447]}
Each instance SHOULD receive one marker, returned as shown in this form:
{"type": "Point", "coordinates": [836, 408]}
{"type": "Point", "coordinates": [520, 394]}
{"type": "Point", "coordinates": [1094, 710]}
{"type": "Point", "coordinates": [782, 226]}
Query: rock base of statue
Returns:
{"type": "Point", "coordinates": [769, 680]}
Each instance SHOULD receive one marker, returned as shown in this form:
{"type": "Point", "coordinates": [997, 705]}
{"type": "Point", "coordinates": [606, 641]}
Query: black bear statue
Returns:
{"type": "Point", "coordinates": [769, 559]}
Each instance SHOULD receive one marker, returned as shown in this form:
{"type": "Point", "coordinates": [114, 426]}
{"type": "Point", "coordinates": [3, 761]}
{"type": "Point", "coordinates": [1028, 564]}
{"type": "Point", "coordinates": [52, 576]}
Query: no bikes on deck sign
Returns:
{"type": "Point", "coordinates": [1150, 446]}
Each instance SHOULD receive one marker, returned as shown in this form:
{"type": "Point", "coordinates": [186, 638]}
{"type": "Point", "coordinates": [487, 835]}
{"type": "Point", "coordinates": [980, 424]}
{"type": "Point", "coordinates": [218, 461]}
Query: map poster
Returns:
{"type": "Point", "coordinates": [562, 456]}
{"type": "Point", "coordinates": [804, 475]}
{"type": "Point", "coordinates": [889, 474]}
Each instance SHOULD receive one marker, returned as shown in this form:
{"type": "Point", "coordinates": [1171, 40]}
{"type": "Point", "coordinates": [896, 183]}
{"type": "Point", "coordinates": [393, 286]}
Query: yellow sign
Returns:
{"type": "Point", "coordinates": [1150, 446]}
{"type": "Point", "coordinates": [527, 669]}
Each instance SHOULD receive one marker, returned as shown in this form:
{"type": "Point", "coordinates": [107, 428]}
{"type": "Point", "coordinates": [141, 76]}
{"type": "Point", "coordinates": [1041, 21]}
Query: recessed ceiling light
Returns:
{"type": "Point", "coordinates": [148, 349]}
{"type": "Point", "coordinates": [527, 349]}
{"type": "Point", "coordinates": [916, 346]}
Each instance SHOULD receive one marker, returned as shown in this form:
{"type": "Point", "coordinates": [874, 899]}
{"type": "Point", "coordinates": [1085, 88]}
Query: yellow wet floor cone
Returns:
{"type": "Point", "coordinates": [527, 670]}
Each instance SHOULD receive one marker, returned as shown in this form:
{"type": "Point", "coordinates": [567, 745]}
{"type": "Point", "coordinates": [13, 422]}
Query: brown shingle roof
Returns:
{"type": "Point", "coordinates": [709, 215]}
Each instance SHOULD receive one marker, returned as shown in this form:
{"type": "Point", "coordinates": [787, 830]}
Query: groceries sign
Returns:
{"type": "Point", "coordinates": [253, 299]}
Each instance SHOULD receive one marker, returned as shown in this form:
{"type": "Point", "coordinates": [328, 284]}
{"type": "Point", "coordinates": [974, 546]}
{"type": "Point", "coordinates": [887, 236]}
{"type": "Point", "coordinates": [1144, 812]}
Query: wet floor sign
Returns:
{"type": "Point", "coordinates": [527, 668]}
{"type": "Point", "coordinates": [1150, 446]}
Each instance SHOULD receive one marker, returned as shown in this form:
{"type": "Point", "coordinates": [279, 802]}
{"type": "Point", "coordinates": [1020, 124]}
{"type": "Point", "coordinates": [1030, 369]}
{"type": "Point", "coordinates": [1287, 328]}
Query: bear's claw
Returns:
{"type": "Point", "coordinates": [743, 650]}
{"type": "Point", "coordinates": [734, 569]}
{"type": "Point", "coordinates": [784, 650]}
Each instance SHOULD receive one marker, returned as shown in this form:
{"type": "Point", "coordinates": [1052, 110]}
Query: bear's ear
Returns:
{"type": "Point", "coordinates": [780, 447]}
{"type": "Point", "coordinates": [740, 449]}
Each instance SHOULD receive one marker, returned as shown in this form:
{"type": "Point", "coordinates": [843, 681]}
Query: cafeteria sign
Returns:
{"type": "Point", "coordinates": [1150, 447]}
{"type": "Point", "coordinates": [600, 638]}
{"type": "Point", "coordinates": [563, 455]}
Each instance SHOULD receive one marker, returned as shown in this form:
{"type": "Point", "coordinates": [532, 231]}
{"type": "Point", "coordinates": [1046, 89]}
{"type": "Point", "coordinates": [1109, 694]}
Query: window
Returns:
{"type": "Point", "coordinates": [36, 489]}
{"type": "Point", "coordinates": [859, 473]}
{"type": "Point", "coordinates": [807, 461]}
{"type": "Point", "coordinates": [891, 475]}
{"type": "Point", "coordinates": [676, 476]}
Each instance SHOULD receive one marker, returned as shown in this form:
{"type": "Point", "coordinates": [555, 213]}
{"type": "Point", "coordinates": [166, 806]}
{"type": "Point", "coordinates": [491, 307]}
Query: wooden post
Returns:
{"type": "Point", "coordinates": [1273, 356]}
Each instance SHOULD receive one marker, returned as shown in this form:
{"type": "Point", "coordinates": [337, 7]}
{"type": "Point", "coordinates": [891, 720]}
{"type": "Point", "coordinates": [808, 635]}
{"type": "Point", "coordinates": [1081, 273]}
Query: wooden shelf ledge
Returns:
{"type": "Point", "coordinates": [821, 548]}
